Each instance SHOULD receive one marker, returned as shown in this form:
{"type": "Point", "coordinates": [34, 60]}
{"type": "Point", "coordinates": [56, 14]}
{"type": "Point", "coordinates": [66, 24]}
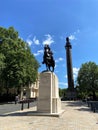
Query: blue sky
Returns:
{"type": "Point", "coordinates": [51, 21]}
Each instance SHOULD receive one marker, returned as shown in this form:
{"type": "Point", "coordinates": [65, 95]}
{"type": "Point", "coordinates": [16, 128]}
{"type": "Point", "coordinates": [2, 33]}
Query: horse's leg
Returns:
{"type": "Point", "coordinates": [49, 67]}
{"type": "Point", "coordinates": [52, 68]}
{"type": "Point", "coordinates": [46, 67]}
{"type": "Point", "coordinates": [53, 65]}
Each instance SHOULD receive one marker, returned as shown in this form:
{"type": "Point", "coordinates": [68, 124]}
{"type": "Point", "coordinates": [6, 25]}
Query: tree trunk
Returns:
{"type": "Point", "coordinates": [7, 88]}
{"type": "Point", "coordinates": [18, 90]}
{"type": "Point", "coordinates": [94, 96]}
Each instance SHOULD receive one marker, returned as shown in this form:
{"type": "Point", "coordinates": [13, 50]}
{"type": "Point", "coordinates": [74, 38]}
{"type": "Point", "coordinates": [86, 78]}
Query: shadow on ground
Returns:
{"type": "Point", "coordinates": [78, 105]}
{"type": "Point", "coordinates": [21, 113]}
{"type": "Point", "coordinates": [4, 103]}
{"type": "Point", "coordinates": [75, 103]}
{"type": "Point", "coordinates": [83, 109]}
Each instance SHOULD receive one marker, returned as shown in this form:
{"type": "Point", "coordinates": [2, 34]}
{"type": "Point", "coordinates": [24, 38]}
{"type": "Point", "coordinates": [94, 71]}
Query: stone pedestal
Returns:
{"type": "Point", "coordinates": [48, 100]}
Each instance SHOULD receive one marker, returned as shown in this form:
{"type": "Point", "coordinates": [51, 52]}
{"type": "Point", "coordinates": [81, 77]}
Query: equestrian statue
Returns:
{"type": "Point", "coordinates": [48, 58]}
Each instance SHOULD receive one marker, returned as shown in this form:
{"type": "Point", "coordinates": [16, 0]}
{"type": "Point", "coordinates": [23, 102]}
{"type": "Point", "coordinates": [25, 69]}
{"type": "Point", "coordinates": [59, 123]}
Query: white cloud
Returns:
{"type": "Point", "coordinates": [20, 37]}
{"type": "Point", "coordinates": [49, 40]}
{"type": "Point", "coordinates": [38, 52]}
{"type": "Point", "coordinates": [72, 37]}
{"type": "Point", "coordinates": [66, 76]}
{"type": "Point", "coordinates": [75, 72]}
{"type": "Point", "coordinates": [36, 41]}
{"type": "Point", "coordinates": [59, 59]}
{"type": "Point", "coordinates": [63, 84]}
{"type": "Point", "coordinates": [29, 42]}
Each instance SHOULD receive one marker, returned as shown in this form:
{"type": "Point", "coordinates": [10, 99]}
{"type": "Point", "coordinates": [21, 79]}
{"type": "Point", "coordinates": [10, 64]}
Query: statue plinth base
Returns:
{"type": "Point", "coordinates": [49, 102]}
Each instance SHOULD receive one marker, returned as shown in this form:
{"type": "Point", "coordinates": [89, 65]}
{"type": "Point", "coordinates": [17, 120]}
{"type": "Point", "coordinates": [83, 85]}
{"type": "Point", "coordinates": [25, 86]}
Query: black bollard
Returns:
{"type": "Point", "coordinates": [28, 105]}
{"type": "Point", "coordinates": [22, 106]}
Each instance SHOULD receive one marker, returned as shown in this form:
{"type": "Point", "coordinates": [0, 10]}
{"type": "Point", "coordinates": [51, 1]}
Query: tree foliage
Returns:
{"type": "Point", "coordinates": [62, 92]}
{"type": "Point", "coordinates": [18, 66]}
{"type": "Point", "coordinates": [88, 78]}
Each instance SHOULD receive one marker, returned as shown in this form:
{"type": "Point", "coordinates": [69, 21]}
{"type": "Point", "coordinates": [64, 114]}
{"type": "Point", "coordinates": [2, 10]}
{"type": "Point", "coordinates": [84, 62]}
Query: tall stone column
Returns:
{"type": "Point", "coordinates": [68, 48]}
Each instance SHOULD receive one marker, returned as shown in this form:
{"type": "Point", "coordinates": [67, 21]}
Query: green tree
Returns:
{"type": "Point", "coordinates": [18, 66]}
{"type": "Point", "coordinates": [2, 65]}
{"type": "Point", "coordinates": [88, 78]}
{"type": "Point", "coordinates": [62, 92]}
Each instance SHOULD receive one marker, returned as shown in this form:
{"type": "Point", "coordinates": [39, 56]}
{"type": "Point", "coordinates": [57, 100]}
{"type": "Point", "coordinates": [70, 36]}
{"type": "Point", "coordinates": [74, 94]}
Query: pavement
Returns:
{"type": "Point", "coordinates": [77, 116]}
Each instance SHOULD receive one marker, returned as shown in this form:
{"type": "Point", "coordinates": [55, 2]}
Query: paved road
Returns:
{"type": "Point", "coordinates": [11, 107]}
{"type": "Point", "coordinates": [77, 116]}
